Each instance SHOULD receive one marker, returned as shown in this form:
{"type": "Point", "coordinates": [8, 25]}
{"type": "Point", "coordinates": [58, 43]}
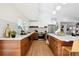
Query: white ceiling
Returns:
{"type": "Point", "coordinates": [32, 11]}
{"type": "Point", "coordinates": [69, 10]}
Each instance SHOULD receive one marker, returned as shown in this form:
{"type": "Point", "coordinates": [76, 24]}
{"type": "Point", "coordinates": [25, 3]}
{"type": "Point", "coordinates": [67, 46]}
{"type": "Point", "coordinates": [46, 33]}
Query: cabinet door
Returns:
{"type": "Point", "coordinates": [53, 44]}
{"type": "Point", "coordinates": [50, 43]}
{"type": "Point", "coordinates": [24, 46]}
{"type": "Point", "coordinates": [55, 49]}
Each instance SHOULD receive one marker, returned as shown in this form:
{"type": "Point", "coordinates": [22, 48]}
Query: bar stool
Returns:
{"type": "Point", "coordinates": [71, 50]}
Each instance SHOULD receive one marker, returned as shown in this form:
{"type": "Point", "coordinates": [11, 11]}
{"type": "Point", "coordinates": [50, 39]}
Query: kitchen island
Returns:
{"type": "Point", "coordinates": [56, 42]}
{"type": "Point", "coordinates": [17, 46]}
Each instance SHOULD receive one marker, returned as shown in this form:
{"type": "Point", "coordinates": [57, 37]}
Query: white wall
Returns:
{"type": "Point", "coordinates": [9, 15]}
{"type": "Point", "coordinates": [3, 24]}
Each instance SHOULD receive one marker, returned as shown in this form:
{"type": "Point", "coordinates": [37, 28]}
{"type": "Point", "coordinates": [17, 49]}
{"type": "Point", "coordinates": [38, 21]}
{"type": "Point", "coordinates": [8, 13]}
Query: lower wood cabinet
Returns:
{"type": "Point", "coordinates": [10, 48]}
{"type": "Point", "coordinates": [15, 47]}
{"type": "Point", "coordinates": [25, 44]}
{"type": "Point", "coordinates": [56, 45]}
{"type": "Point", "coordinates": [35, 36]}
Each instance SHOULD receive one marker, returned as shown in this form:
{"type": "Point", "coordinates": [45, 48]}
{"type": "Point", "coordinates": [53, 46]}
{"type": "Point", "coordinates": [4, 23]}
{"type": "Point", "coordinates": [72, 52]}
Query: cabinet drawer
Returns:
{"type": "Point", "coordinates": [67, 43]}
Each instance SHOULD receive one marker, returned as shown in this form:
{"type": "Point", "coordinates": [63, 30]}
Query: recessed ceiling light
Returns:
{"type": "Point", "coordinates": [58, 7]}
{"type": "Point", "coordinates": [64, 3]}
{"type": "Point", "coordinates": [54, 12]}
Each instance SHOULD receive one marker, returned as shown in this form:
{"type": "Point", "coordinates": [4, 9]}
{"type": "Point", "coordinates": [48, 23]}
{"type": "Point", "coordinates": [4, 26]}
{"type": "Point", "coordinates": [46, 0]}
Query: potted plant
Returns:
{"type": "Point", "coordinates": [13, 34]}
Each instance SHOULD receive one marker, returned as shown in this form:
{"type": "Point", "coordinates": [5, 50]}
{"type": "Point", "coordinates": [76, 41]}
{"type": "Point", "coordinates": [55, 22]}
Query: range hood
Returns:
{"type": "Point", "coordinates": [33, 20]}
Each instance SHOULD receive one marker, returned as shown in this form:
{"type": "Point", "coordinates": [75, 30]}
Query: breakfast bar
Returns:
{"type": "Point", "coordinates": [56, 42]}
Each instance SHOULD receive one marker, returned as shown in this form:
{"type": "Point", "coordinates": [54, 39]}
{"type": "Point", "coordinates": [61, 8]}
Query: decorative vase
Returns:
{"type": "Point", "coordinates": [13, 34]}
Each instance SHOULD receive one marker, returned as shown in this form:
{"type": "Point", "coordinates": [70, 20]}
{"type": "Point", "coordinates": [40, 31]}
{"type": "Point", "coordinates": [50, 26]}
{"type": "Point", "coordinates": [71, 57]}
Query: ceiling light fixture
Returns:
{"type": "Point", "coordinates": [58, 7]}
{"type": "Point", "coordinates": [54, 12]}
{"type": "Point", "coordinates": [64, 3]}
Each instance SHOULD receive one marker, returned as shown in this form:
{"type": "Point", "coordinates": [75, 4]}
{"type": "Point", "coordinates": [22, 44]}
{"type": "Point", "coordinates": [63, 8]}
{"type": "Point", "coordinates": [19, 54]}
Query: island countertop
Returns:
{"type": "Point", "coordinates": [18, 37]}
{"type": "Point", "coordinates": [65, 37]}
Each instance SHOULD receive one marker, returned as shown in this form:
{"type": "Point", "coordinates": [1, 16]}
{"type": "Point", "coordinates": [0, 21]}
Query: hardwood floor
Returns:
{"type": "Point", "coordinates": [39, 48]}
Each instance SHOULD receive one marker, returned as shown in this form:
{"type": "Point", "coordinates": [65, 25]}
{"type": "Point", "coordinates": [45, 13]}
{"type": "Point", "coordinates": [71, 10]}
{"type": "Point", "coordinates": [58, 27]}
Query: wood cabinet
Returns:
{"type": "Point", "coordinates": [56, 45]}
{"type": "Point", "coordinates": [25, 44]}
{"type": "Point", "coordinates": [35, 36]}
{"type": "Point", "coordinates": [15, 47]}
{"type": "Point", "coordinates": [9, 47]}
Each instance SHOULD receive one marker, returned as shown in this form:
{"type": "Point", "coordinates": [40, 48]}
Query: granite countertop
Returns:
{"type": "Point", "coordinates": [18, 37]}
{"type": "Point", "coordinates": [65, 37]}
